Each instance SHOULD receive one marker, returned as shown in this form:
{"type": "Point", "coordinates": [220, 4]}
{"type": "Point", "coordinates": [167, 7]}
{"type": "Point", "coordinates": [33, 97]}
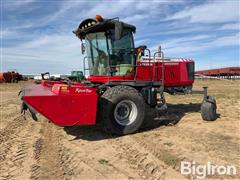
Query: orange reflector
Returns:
{"type": "Point", "coordinates": [64, 88]}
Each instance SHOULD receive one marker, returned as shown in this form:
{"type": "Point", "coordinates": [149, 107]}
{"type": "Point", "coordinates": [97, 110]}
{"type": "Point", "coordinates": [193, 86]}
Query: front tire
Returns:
{"type": "Point", "coordinates": [122, 110]}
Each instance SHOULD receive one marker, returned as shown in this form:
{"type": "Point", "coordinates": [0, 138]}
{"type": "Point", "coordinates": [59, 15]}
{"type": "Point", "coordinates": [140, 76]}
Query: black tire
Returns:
{"type": "Point", "coordinates": [14, 80]}
{"type": "Point", "coordinates": [209, 109]}
{"type": "Point", "coordinates": [110, 109]}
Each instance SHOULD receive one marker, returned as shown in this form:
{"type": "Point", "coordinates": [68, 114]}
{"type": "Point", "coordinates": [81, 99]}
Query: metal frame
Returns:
{"type": "Point", "coordinates": [204, 92]}
{"type": "Point", "coordinates": [154, 68]}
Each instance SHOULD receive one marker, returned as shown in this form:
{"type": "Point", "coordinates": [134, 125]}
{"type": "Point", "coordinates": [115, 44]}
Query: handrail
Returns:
{"type": "Point", "coordinates": [149, 53]}
{"type": "Point", "coordinates": [154, 67]}
{"type": "Point", "coordinates": [163, 69]}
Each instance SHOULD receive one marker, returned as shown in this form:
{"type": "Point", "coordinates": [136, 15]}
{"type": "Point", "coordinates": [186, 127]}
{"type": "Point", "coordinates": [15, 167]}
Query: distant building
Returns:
{"type": "Point", "coordinates": [224, 73]}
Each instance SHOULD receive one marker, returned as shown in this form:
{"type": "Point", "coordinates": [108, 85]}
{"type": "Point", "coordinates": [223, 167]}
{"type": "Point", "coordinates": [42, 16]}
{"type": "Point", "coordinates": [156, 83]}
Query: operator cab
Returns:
{"type": "Point", "coordinates": [109, 46]}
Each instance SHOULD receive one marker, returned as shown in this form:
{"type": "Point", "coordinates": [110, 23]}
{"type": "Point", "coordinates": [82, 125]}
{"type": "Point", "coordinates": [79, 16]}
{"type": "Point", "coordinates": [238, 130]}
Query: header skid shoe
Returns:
{"type": "Point", "coordinates": [62, 104]}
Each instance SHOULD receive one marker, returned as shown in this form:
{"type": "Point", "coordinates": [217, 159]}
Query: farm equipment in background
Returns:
{"type": "Point", "coordinates": [76, 76]}
{"type": "Point", "coordinates": [52, 77]}
{"type": "Point", "coordinates": [11, 76]}
{"type": "Point", "coordinates": [122, 81]}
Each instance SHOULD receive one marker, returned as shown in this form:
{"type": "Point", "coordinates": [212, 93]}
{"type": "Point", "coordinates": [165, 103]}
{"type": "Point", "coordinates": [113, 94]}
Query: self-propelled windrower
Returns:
{"type": "Point", "coordinates": [123, 80]}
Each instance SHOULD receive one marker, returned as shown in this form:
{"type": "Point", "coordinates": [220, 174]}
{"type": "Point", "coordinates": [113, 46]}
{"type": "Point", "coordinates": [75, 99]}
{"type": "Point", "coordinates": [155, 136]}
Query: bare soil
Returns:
{"type": "Point", "coordinates": [41, 150]}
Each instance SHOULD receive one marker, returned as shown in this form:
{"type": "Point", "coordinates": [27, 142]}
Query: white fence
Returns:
{"type": "Point", "coordinates": [219, 77]}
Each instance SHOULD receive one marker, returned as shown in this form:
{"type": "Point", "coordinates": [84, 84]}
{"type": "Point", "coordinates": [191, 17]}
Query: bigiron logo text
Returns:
{"type": "Point", "coordinates": [209, 169]}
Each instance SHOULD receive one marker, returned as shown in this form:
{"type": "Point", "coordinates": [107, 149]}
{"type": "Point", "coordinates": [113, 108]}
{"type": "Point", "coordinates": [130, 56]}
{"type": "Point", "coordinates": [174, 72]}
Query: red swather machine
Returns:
{"type": "Point", "coordinates": [122, 81]}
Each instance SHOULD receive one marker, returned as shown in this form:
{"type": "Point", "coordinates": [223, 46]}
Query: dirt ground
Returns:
{"type": "Point", "coordinates": [41, 150]}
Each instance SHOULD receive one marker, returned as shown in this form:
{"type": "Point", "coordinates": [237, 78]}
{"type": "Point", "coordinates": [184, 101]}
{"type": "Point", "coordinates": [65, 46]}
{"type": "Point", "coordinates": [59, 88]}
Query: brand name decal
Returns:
{"type": "Point", "coordinates": [80, 90]}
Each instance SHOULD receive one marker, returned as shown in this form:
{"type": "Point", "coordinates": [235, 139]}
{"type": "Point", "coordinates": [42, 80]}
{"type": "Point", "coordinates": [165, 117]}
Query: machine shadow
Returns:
{"type": "Point", "coordinates": [175, 113]}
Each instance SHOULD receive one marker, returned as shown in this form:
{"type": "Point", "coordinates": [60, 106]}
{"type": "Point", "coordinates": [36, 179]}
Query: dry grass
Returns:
{"type": "Point", "coordinates": [41, 150]}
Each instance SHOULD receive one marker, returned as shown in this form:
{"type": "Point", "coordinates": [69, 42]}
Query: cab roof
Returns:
{"type": "Point", "coordinates": [92, 25]}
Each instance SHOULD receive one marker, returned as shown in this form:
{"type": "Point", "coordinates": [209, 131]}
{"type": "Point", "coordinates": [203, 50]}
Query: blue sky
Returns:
{"type": "Point", "coordinates": [36, 36]}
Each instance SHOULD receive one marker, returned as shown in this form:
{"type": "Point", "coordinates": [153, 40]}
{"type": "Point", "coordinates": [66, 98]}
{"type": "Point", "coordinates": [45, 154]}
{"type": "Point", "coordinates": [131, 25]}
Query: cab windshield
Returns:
{"type": "Point", "coordinates": [109, 56]}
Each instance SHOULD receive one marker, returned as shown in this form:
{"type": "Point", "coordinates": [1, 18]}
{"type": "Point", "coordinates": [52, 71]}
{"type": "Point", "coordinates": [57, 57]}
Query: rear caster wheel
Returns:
{"type": "Point", "coordinates": [209, 109]}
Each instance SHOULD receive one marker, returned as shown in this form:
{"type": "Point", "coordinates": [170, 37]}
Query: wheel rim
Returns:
{"type": "Point", "coordinates": [125, 112]}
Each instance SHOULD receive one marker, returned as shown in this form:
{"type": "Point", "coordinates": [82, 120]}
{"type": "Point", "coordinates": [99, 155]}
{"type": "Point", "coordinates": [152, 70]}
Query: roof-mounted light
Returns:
{"type": "Point", "coordinates": [87, 24]}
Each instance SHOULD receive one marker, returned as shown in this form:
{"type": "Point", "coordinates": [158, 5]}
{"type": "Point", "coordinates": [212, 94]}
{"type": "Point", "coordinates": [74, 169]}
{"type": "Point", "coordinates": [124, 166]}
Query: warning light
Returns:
{"type": "Point", "coordinates": [99, 18]}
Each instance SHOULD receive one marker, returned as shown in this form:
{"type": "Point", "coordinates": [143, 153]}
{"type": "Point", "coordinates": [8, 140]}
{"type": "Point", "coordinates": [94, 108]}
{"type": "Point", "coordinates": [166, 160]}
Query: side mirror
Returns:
{"type": "Point", "coordinates": [83, 49]}
{"type": "Point", "coordinates": [118, 30]}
